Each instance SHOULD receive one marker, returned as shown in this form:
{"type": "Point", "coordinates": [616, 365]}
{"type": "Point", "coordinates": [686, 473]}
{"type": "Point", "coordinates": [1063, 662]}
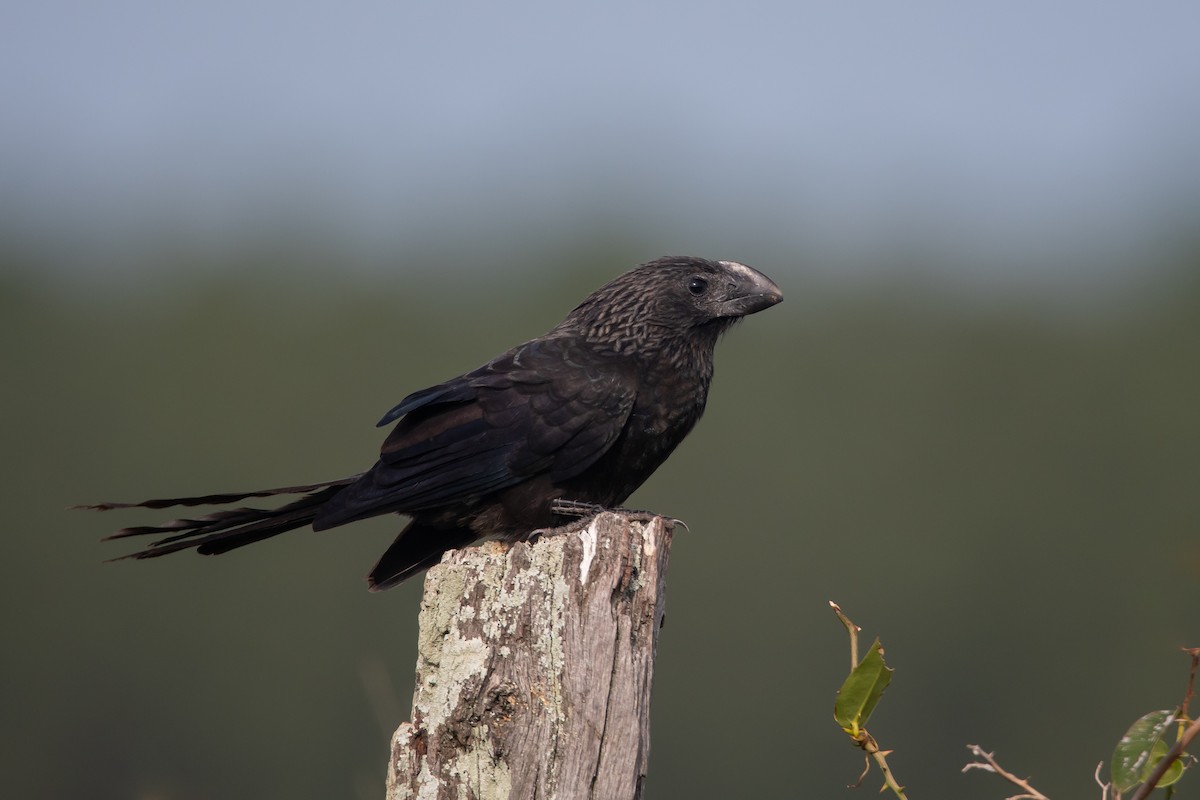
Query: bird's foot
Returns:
{"type": "Point", "coordinates": [582, 510]}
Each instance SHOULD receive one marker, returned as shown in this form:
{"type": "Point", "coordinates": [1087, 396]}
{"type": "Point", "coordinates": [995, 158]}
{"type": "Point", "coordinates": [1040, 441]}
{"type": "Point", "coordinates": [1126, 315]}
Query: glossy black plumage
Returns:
{"type": "Point", "coordinates": [584, 413]}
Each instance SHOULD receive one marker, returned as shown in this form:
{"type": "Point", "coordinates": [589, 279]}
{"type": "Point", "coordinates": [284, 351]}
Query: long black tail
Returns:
{"type": "Point", "coordinates": [222, 531]}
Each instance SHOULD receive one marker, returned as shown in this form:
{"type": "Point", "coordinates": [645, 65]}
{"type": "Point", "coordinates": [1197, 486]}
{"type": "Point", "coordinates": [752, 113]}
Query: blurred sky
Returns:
{"type": "Point", "coordinates": [1022, 133]}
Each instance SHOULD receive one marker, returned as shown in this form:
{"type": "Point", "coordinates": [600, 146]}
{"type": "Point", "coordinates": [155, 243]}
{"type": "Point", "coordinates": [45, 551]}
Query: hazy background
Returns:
{"type": "Point", "coordinates": [232, 235]}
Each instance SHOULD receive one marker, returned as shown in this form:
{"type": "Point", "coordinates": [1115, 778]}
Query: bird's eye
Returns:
{"type": "Point", "coordinates": [697, 285]}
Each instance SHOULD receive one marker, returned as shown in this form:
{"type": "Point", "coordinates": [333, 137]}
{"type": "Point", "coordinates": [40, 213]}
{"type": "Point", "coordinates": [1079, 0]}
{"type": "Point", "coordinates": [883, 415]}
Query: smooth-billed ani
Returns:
{"type": "Point", "coordinates": [583, 414]}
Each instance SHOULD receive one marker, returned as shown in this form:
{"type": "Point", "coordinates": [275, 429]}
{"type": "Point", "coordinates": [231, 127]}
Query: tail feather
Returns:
{"type": "Point", "coordinates": [193, 526]}
{"type": "Point", "coordinates": [218, 499]}
{"type": "Point", "coordinates": [419, 546]}
{"type": "Point", "coordinates": [221, 531]}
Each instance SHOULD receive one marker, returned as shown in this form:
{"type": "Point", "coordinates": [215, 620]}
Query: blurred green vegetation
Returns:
{"type": "Point", "coordinates": [1006, 491]}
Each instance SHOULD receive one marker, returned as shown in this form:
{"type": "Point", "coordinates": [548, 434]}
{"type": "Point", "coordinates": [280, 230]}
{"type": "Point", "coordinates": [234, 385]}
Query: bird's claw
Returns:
{"type": "Point", "coordinates": [574, 508]}
{"type": "Point", "coordinates": [581, 510]}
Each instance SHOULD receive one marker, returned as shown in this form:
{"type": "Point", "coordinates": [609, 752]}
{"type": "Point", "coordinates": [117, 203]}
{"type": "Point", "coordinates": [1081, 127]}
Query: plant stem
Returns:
{"type": "Point", "coordinates": [851, 629]}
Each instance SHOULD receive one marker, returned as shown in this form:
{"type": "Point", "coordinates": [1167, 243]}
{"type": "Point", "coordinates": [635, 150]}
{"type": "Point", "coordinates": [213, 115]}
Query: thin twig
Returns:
{"type": "Point", "coordinates": [889, 780]}
{"type": "Point", "coordinates": [990, 765]}
{"type": "Point", "coordinates": [1185, 736]}
{"type": "Point", "coordinates": [1194, 652]}
{"type": "Point", "coordinates": [1104, 787]}
{"type": "Point", "coordinates": [866, 771]}
{"type": "Point", "coordinates": [851, 629]}
{"type": "Point", "coordinates": [869, 746]}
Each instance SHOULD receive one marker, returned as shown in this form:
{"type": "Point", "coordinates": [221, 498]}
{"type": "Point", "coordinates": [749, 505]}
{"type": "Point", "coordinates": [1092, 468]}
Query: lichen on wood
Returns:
{"type": "Point", "coordinates": [534, 668]}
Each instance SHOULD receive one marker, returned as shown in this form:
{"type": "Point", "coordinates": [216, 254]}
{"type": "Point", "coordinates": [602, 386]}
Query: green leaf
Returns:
{"type": "Point", "coordinates": [861, 690]}
{"type": "Point", "coordinates": [1173, 773]}
{"type": "Point", "coordinates": [1140, 750]}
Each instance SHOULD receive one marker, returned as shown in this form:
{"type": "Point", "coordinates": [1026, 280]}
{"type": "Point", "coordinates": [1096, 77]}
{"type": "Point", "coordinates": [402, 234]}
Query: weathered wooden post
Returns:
{"type": "Point", "coordinates": [534, 667]}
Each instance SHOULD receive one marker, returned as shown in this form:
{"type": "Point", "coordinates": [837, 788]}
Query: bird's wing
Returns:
{"type": "Point", "coordinates": [549, 406]}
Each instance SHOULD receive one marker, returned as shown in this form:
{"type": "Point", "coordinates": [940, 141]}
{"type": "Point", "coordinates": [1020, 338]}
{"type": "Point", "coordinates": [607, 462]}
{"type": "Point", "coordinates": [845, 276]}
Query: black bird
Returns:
{"type": "Point", "coordinates": [574, 420]}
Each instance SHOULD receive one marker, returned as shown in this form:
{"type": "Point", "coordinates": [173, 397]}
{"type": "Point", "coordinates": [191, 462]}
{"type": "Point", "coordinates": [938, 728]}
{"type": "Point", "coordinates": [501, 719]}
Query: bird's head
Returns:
{"type": "Point", "coordinates": [671, 296]}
